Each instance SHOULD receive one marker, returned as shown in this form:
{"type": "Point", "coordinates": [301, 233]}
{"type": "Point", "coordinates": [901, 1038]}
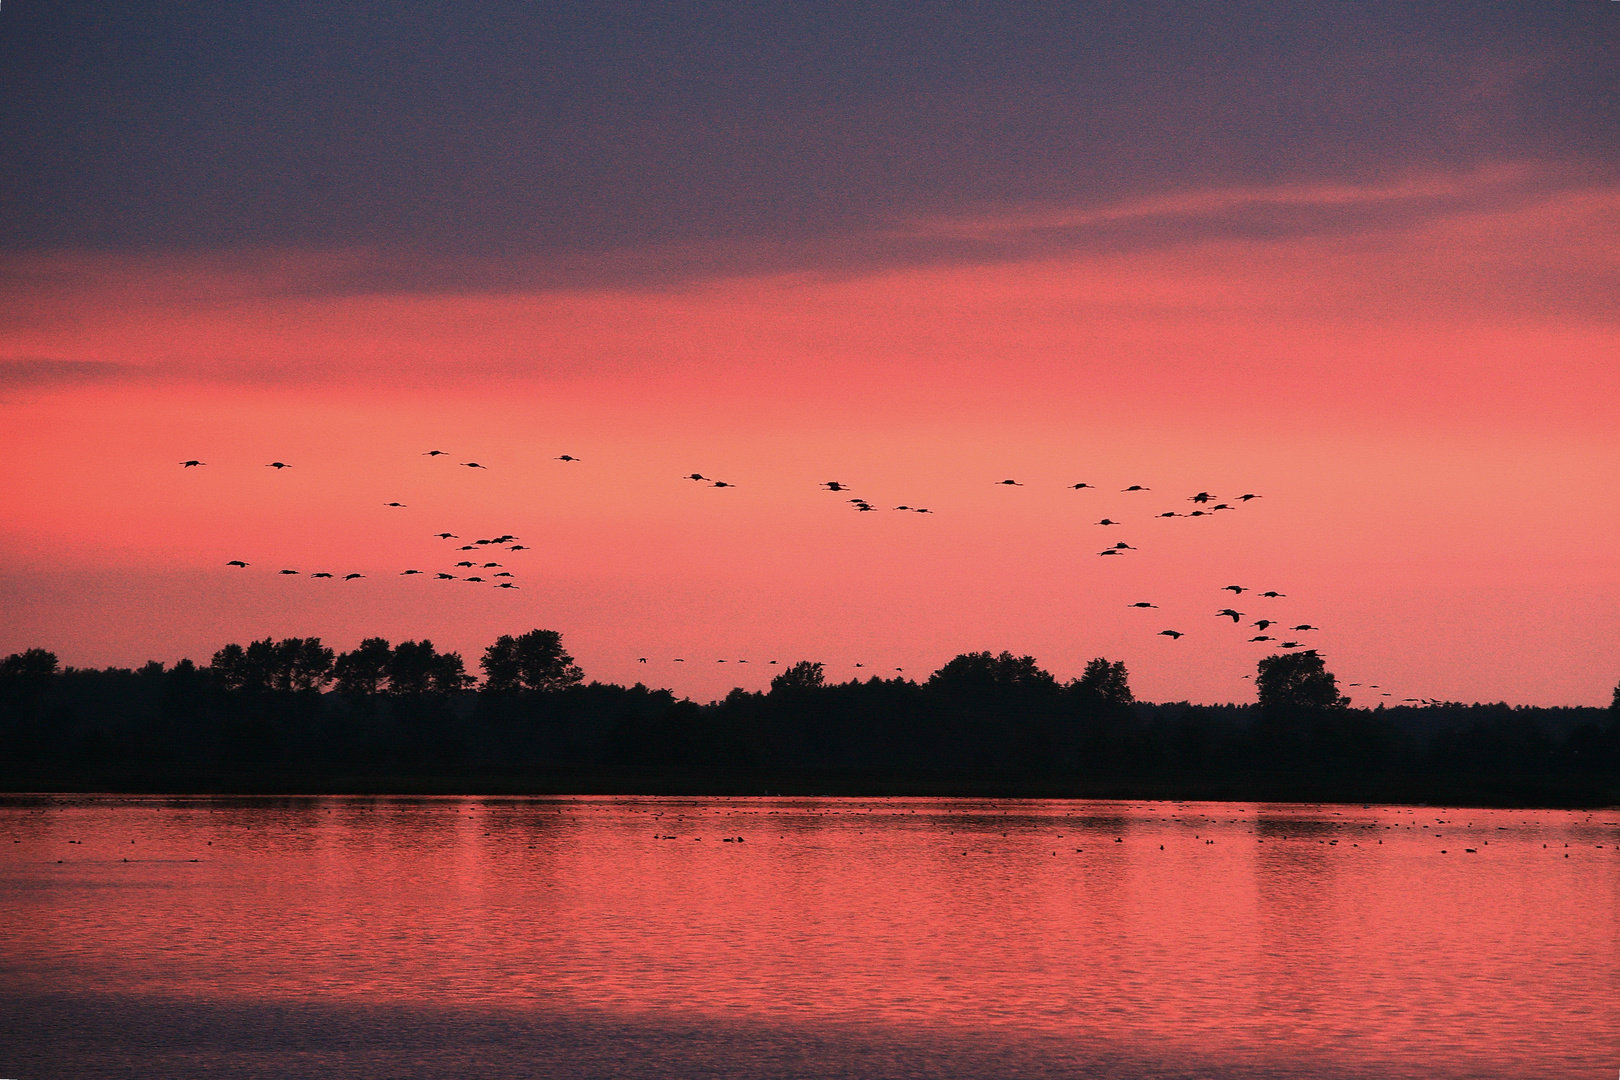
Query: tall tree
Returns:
{"type": "Point", "coordinates": [411, 668]}
{"type": "Point", "coordinates": [363, 671]}
{"type": "Point", "coordinates": [1293, 682]}
{"type": "Point", "coordinates": [302, 665]}
{"type": "Point", "coordinates": [1104, 684]}
{"type": "Point", "coordinates": [532, 661]}
{"type": "Point", "coordinates": [804, 675]}
{"type": "Point", "coordinates": [25, 676]}
{"type": "Point", "coordinates": [979, 671]}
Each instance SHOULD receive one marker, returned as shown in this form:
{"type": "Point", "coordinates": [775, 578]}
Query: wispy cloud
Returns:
{"type": "Point", "coordinates": [41, 371]}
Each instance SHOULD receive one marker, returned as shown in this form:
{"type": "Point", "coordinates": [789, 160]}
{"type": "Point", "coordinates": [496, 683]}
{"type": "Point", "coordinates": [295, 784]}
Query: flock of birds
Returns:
{"type": "Point", "coordinates": [481, 548]}
{"type": "Point", "coordinates": [477, 569]}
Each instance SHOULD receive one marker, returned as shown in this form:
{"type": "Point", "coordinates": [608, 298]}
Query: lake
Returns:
{"type": "Point", "coordinates": [662, 937]}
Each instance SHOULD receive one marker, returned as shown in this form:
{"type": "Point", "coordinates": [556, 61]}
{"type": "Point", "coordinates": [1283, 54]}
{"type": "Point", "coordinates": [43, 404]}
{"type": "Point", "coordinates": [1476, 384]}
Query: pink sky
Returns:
{"type": "Point", "coordinates": [1428, 402]}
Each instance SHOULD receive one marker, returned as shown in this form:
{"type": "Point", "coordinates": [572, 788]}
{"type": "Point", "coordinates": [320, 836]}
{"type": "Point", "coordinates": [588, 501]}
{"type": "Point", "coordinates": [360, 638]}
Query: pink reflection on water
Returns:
{"type": "Point", "coordinates": [1361, 938]}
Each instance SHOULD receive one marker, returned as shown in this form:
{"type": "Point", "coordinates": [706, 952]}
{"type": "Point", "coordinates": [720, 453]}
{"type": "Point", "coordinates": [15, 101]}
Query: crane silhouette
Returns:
{"type": "Point", "coordinates": [1009, 483]}
{"type": "Point", "coordinates": [193, 463]}
{"type": "Point", "coordinates": [435, 453]}
{"type": "Point", "coordinates": [351, 577]}
{"type": "Point", "coordinates": [237, 562]}
{"type": "Point", "coordinates": [1142, 603]}
{"type": "Point", "coordinates": [278, 465]}
{"type": "Point", "coordinates": [566, 457]}
{"type": "Point", "coordinates": [1227, 612]}
{"type": "Point", "coordinates": [1081, 487]}
{"type": "Point", "coordinates": [1173, 634]}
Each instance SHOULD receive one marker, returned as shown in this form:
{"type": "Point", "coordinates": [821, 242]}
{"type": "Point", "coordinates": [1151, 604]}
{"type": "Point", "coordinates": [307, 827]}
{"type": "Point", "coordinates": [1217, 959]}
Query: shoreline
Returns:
{"type": "Point", "coordinates": [1562, 793]}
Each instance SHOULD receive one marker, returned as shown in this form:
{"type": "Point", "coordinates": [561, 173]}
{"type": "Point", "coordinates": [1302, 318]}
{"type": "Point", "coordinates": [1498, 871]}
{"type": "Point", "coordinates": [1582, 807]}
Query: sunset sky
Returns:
{"type": "Point", "coordinates": [1359, 260]}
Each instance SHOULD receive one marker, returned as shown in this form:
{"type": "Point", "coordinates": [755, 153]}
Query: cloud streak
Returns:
{"type": "Point", "coordinates": [30, 371]}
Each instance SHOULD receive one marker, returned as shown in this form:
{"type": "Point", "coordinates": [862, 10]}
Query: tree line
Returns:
{"type": "Point", "coordinates": [298, 705]}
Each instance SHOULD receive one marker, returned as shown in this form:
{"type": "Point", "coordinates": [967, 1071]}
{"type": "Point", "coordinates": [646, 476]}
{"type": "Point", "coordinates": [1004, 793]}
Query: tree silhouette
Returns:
{"type": "Point", "coordinates": [1104, 684]}
{"type": "Point", "coordinates": [364, 670]}
{"type": "Point", "coordinates": [1293, 682]}
{"type": "Point", "coordinates": [417, 668]}
{"type": "Point", "coordinates": [291, 665]}
{"type": "Point", "coordinates": [981, 671]}
{"type": "Point", "coordinates": [303, 665]}
{"type": "Point", "coordinates": [1614, 706]}
{"type": "Point", "coordinates": [533, 661]}
{"type": "Point", "coordinates": [801, 676]}
{"type": "Point", "coordinates": [24, 678]}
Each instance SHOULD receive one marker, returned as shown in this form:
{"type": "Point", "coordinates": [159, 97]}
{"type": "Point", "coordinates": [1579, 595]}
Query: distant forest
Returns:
{"type": "Point", "coordinates": [297, 714]}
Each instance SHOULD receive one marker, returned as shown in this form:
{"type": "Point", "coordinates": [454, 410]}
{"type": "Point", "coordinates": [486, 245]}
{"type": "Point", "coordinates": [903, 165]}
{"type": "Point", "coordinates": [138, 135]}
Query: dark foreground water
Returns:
{"type": "Point", "coordinates": [593, 937]}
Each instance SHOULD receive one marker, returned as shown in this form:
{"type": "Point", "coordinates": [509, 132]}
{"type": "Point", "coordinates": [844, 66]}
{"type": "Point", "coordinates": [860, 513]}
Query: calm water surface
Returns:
{"type": "Point", "coordinates": [363, 937]}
